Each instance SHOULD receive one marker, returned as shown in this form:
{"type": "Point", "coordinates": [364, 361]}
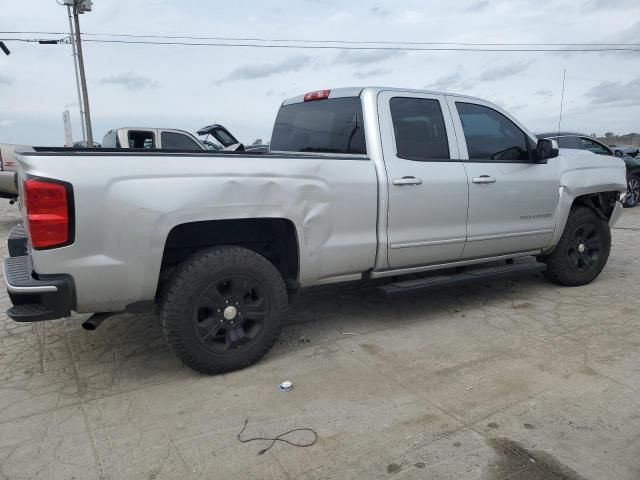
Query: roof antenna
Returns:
{"type": "Point", "coordinates": [564, 76]}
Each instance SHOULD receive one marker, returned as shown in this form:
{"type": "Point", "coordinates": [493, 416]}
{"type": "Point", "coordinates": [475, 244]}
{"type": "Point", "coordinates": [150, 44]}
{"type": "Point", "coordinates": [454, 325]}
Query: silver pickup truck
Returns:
{"type": "Point", "coordinates": [359, 184]}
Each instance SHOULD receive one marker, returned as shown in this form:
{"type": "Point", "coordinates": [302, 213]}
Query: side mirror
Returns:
{"type": "Point", "coordinates": [546, 149]}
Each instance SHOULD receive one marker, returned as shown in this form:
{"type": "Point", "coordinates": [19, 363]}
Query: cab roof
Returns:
{"type": "Point", "coordinates": [356, 91]}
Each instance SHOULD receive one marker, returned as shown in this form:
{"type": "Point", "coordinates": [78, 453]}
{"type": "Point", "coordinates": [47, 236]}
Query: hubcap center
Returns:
{"type": "Point", "coordinates": [581, 248]}
{"type": "Point", "coordinates": [230, 313]}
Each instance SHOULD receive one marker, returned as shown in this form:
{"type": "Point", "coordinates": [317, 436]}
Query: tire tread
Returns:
{"type": "Point", "coordinates": [558, 270]}
{"type": "Point", "coordinates": [175, 303]}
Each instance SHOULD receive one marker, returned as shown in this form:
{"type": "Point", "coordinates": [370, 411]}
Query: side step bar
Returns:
{"type": "Point", "coordinates": [526, 266]}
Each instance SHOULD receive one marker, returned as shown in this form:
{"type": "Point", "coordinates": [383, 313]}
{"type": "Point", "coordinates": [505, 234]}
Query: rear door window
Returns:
{"type": "Point", "coordinates": [419, 129]}
{"type": "Point", "coordinates": [568, 142]}
{"type": "Point", "coordinates": [491, 136]}
{"type": "Point", "coordinates": [322, 126]}
{"type": "Point", "coordinates": [593, 146]}
{"type": "Point", "coordinates": [178, 141]}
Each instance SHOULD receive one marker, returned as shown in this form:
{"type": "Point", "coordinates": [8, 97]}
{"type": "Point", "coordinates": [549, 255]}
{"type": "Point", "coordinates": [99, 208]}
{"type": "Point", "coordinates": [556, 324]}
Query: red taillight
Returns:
{"type": "Point", "coordinates": [48, 212]}
{"type": "Point", "coordinates": [319, 95]}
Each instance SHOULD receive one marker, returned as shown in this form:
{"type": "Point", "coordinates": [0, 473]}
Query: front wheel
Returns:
{"type": "Point", "coordinates": [222, 309]}
{"type": "Point", "coordinates": [582, 251]}
{"type": "Point", "coordinates": [633, 191]}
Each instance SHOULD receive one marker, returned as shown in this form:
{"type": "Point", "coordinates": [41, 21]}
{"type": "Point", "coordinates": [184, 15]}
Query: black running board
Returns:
{"type": "Point", "coordinates": [526, 266]}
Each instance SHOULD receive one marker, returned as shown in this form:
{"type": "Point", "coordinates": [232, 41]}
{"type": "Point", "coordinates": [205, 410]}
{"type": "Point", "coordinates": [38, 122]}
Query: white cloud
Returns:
{"type": "Point", "coordinates": [500, 72]}
{"type": "Point", "coordinates": [184, 96]}
{"type": "Point", "coordinates": [411, 16]}
{"type": "Point", "coordinates": [6, 123]}
{"type": "Point", "coordinates": [339, 17]}
{"type": "Point", "coordinates": [365, 57]}
{"type": "Point", "coordinates": [616, 93]}
{"type": "Point", "coordinates": [130, 81]}
{"type": "Point", "coordinates": [262, 70]}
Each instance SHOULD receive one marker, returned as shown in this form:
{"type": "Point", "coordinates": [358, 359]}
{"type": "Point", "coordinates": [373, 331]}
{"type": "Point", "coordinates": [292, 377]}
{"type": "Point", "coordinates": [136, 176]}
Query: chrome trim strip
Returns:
{"type": "Point", "coordinates": [39, 289]}
{"type": "Point", "coordinates": [510, 235]}
{"type": "Point", "coordinates": [424, 244]}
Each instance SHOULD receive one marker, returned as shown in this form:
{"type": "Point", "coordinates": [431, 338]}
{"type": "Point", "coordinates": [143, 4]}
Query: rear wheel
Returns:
{"type": "Point", "coordinates": [222, 309]}
{"type": "Point", "coordinates": [582, 251]}
{"type": "Point", "coordinates": [633, 191]}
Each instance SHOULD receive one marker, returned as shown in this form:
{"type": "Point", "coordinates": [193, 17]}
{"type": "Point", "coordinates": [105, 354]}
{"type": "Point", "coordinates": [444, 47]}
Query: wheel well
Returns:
{"type": "Point", "coordinates": [602, 203]}
{"type": "Point", "coordinates": [273, 238]}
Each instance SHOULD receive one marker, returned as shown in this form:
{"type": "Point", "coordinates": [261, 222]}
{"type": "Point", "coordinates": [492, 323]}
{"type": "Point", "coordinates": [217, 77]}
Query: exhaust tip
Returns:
{"type": "Point", "coordinates": [94, 321]}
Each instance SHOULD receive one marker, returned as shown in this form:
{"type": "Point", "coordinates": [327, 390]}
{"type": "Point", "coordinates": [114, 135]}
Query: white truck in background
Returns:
{"type": "Point", "coordinates": [8, 169]}
{"type": "Point", "coordinates": [214, 137]}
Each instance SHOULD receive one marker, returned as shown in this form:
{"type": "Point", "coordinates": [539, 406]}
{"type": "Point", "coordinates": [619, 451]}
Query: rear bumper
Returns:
{"type": "Point", "coordinates": [34, 297]}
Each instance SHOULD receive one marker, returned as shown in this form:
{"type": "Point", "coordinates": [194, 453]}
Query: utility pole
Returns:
{"type": "Point", "coordinates": [83, 80]}
{"type": "Point", "coordinates": [81, 6]}
{"type": "Point", "coordinates": [75, 66]}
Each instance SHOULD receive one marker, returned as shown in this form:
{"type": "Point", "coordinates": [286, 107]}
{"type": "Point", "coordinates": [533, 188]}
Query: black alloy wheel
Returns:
{"type": "Point", "coordinates": [229, 314]}
{"type": "Point", "coordinates": [633, 191]}
{"type": "Point", "coordinates": [585, 247]}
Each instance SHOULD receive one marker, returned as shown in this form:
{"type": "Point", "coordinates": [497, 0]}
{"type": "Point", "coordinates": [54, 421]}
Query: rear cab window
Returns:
{"type": "Point", "coordinates": [333, 125]}
{"type": "Point", "coordinates": [141, 139]}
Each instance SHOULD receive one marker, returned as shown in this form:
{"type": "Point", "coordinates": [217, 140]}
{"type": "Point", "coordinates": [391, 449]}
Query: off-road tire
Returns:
{"type": "Point", "coordinates": [186, 286]}
{"type": "Point", "coordinates": [561, 269]}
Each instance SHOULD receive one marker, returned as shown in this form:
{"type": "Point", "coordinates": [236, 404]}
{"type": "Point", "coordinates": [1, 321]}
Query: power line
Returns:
{"type": "Point", "coordinates": [341, 42]}
{"type": "Point", "coordinates": [370, 48]}
{"type": "Point", "coordinates": [345, 47]}
{"type": "Point", "coordinates": [338, 47]}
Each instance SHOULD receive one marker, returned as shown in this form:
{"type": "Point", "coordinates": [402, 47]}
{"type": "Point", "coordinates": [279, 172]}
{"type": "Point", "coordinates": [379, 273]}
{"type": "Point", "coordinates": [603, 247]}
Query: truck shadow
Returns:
{"type": "Point", "coordinates": [129, 350]}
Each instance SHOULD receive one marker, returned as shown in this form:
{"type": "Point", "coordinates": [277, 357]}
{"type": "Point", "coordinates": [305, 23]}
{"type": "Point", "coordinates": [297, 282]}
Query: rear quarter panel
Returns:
{"type": "Point", "coordinates": [127, 204]}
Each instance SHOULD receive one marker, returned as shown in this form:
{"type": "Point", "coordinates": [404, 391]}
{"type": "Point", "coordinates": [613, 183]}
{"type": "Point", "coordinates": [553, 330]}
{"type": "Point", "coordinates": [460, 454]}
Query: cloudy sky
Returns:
{"type": "Point", "coordinates": [188, 87]}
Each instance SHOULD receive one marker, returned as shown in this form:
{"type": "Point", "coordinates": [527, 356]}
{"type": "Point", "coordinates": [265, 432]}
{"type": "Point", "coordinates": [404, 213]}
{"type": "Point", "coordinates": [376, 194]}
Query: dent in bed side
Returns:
{"type": "Point", "coordinates": [332, 202]}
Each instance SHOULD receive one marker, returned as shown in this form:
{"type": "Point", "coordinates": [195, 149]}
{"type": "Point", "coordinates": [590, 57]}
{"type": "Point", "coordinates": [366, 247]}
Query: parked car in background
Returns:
{"type": "Point", "coordinates": [8, 168]}
{"type": "Point", "coordinates": [151, 138]}
{"type": "Point", "coordinates": [225, 141]}
{"type": "Point", "coordinates": [216, 138]}
{"type": "Point", "coordinates": [622, 150]}
{"type": "Point", "coordinates": [579, 141]}
{"type": "Point", "coordinates": [83, 144]}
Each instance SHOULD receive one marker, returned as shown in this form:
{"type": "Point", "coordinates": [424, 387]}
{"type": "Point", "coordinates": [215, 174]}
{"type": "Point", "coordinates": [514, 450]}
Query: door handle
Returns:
{"type": "Point", "coordinates": [483, 179]}
{"type": "Point", "coordinates": [407, 181]}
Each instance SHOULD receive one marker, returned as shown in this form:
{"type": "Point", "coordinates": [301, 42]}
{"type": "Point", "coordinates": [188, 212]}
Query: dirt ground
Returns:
{"type": "Point", "coordinates": [509, 380]}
